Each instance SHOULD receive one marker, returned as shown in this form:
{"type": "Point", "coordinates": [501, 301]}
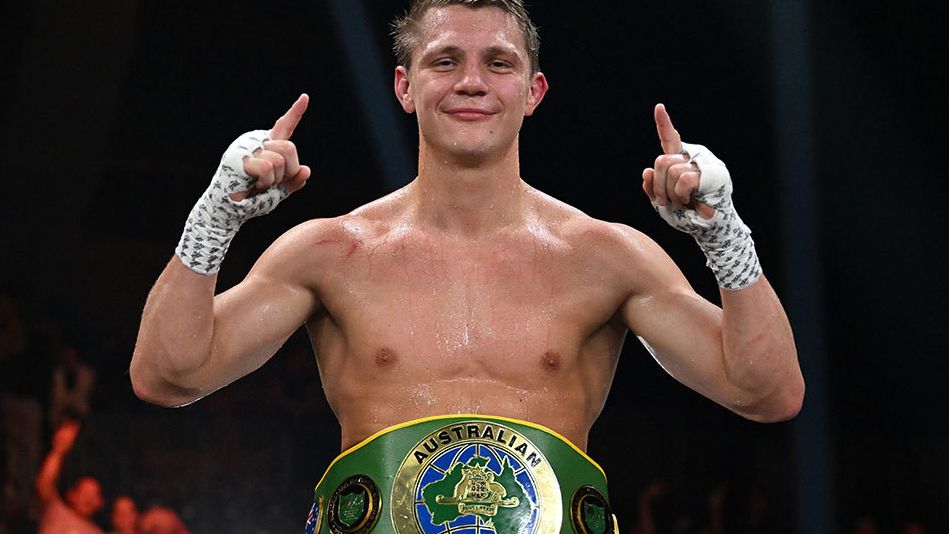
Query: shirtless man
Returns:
{"type": "Point", "coordinates": [75, 514]}
{"type": "Point", "coordinates": [467, 292]}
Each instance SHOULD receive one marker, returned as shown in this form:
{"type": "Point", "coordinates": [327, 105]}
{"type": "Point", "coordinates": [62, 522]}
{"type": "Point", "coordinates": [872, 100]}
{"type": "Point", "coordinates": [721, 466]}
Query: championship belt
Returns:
{"type": "Point", "coordinates": [462, 474]}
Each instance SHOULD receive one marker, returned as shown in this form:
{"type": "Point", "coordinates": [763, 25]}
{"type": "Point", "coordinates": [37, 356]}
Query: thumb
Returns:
{"type": "Point", "coordinates": [704, 210]}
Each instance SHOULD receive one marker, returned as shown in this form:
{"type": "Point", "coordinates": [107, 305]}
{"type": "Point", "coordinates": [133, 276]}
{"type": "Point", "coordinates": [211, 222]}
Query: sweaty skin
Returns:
{"type": "Point", "coordinates": [417, 322]}
{"type": "Point", "coordinates": [466, 291]}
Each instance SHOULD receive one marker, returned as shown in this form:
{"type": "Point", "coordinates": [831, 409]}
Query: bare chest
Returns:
{"type": "Point", "coordinates": [500, 308]}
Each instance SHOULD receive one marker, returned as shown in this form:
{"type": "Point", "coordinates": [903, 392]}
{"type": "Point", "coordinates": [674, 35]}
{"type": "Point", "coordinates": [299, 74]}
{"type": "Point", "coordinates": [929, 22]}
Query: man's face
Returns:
{"type": "Point", "coordinates": [124, 514]}
{"type": "Point", "coordinates": [85, 497]}
{"type": "Point", "coordinates": [470, 83]}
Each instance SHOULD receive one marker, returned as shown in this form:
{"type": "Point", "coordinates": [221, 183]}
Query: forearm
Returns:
{"type": "Point", "coordinates": [175, 336]}
{"type": "Point", "coordinates": [752, 364]}
{"type": "Point", "coordinates": [761, 362]}
{"type": "Point", "coordinates": [48, 475]}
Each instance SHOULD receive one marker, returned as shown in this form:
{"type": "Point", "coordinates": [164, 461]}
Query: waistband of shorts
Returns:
{"type": "Point", "coordinates": [446, 472]}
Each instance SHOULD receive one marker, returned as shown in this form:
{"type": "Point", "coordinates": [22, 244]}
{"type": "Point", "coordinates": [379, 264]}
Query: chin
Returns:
{"type": "Point", "coordinates": [473, 157]}
{"type": "Point", "coordinates": [472, 149]}
{"type": "Point", "coordinates": [478, 149]}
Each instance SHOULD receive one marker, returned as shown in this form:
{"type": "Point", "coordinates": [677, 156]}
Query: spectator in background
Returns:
{"type": "Point", "coordinates": [25, 368]}
{"type": "Point", "coordinates": [83, 500]}
{"type": "Point", "coordinates": [73, 383]}
{"type": "Point", "coordinates": [663, 511]}
{"type": "Point", "coordinates": [715, 510]}
{"type": "Point", "coordinates": [646, 524]}
{"type": "Point", "coordinates": [161, 520]}
{"type": "Point", "coordinates": [124, 515]}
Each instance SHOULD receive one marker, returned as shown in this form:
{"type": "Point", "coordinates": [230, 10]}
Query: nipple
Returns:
{"type": "Point", "coordinates": [385, 357]}
{"type": "Point", "coordinates": [551, 361]}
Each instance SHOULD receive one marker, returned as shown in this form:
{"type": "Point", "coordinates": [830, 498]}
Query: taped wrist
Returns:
{"type": "Point", "coordinates": [725, 239]}
{"type": "Point", "coordinates": [216, 217]}
{"type": "Point", "coordinates": [729, 249]}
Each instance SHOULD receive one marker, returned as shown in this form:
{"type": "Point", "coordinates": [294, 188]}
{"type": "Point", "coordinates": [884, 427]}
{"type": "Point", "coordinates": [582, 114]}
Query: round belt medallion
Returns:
{"type": "Point", "coordinates": [590, 512]}
{"type": "Point", "coordinates": [354, 506]}
{"type": "Point", "coordinates": [475, 477]}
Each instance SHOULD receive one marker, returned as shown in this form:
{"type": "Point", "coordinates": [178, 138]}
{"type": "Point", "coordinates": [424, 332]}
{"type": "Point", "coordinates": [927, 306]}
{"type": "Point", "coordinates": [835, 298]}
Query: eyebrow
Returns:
{"type": "Point", "coordinates": [501, 51]}
{"type": "Point", "coordinates": [450, 50]}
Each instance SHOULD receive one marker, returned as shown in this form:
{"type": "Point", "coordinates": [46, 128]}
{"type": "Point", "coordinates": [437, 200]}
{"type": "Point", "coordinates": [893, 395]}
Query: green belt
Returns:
{"type": "Point", "coordinates": [462, 474]}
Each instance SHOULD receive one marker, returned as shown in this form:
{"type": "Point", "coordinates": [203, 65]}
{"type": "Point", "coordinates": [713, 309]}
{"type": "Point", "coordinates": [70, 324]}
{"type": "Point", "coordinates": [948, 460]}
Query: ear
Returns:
{"type": "Point", "coordinates": [538, 89]}
{"type": "Point", "coordinates": [401, 86]}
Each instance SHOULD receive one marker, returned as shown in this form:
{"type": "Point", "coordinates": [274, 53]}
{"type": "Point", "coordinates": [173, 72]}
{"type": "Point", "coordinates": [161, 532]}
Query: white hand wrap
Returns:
{"type": "Point", "coordinates": [724, 238]}
{"type": "Point", "coordinates": [216, 218]}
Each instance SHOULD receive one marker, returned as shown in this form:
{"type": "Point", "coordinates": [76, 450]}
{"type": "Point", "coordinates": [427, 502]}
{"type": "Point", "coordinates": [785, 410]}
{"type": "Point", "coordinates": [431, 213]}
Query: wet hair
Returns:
{"type": "Point", "coordinates": [405, 29]}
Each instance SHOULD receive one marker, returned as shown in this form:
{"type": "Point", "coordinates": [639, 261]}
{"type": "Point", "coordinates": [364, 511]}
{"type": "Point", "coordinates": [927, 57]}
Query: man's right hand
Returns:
{"type": "Point", "coordinates": [65, 436]}
{"type": "Point", "coordinates": [257, 171]}
{"type": "Point", "coordinates": [278, 162]}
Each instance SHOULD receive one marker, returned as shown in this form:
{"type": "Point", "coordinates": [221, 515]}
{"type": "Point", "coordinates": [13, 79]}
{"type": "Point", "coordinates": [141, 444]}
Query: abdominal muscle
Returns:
{"type": "Point", "coordinates": [544, 374]}
{"type": "Point", "coordinates": [367, 398]}
{"type": "Point", "coordinates": [564, 408]}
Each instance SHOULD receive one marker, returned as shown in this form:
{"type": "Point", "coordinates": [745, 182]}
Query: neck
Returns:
{"type": "Point", "coordinates": [471, 196]}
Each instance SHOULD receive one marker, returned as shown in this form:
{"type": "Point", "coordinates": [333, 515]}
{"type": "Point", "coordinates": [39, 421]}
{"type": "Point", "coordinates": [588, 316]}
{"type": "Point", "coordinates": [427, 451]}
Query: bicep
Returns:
{"type": "Point", "coordinates": [680, 329]}
{"type": "Point", "coordinates": [253, 319]}
{"type": "Point", "coordinates": [258, 315]}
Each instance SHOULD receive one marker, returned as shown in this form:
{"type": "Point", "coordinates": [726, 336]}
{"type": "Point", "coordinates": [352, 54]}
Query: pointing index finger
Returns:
{"type": "Point", "coordinates": [283, 128]}
{"type": "Point", "coordinates": [668, 135]}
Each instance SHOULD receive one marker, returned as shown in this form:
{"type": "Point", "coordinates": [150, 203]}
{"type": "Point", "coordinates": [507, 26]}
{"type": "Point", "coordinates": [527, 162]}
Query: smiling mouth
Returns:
{"type": "Point", "coordinates": [470, 114]}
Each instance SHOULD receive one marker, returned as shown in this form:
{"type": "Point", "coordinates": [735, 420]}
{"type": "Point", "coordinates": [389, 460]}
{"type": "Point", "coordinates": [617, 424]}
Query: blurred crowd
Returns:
{"type": "Point", "coordinates": [45, 388]}
{"type": "Point", "coordinates": [76, 446]}
{"type": "Point", "coordinates": [75, 510]}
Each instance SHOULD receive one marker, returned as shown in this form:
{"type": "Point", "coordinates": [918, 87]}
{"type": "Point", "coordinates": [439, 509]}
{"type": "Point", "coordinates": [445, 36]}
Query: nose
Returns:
{"type": "Point", "coordinates": [471, 81]}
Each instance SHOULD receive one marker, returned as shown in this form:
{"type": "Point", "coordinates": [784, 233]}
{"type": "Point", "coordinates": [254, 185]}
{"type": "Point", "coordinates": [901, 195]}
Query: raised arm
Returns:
{"type": "Point", "coordinates": [191, 343]}
{"type": "Point", "coordinates": [63, 440]}
{"type": "Point", "coordinates": [741, 355]}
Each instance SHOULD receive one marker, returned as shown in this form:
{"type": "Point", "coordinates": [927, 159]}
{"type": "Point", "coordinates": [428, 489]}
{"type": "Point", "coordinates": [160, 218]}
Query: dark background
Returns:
{"type": "Point", "coordinates": [114, 114]}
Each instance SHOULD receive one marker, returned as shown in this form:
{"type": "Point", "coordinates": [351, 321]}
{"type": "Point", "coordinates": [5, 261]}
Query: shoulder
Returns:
{"type": "Point", "coordinates": [615, 250]}
{"type": "Point", "coordinates": [55, 507]}
{"type": "Point", "coordinates": [603, 239]}
{"type": "Point", "coordinates": [58, 517]}
{"type": "Point", "coordinates": [330, 239]}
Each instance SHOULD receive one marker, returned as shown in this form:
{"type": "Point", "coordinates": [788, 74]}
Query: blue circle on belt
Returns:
{"type": "Point", "coordinates": [476, 488]}
{"type": "Point", "coordinates": [475, 477]}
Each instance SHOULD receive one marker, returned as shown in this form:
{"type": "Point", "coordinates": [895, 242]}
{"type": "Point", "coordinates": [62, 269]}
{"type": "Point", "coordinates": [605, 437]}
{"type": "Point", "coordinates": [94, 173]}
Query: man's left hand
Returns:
{"type": "Point", "coordinates": [675, 178]}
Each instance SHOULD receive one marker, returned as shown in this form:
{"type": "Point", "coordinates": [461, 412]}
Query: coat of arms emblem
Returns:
{"type": "Point", "coordinates": [475, 477]}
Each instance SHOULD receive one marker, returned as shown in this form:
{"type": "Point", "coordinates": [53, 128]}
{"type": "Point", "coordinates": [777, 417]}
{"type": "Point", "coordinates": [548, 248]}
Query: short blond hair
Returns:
{"type": "Point", "coordinates": [405, 29]}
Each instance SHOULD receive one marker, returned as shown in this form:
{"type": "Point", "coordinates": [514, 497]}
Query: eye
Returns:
{"type": "Point", "coordinates": [500, 64]}
{"type": "Point", "coordinates": [442, 63]}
